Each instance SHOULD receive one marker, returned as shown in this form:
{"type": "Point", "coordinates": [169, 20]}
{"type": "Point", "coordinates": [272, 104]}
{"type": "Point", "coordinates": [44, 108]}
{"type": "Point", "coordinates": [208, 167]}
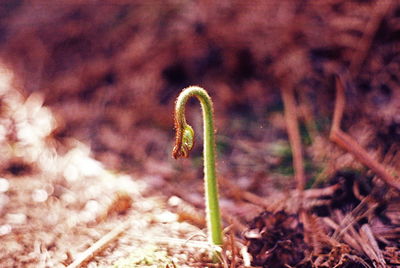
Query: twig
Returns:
{"type": "Point", "coordinates": [340, 103]}
{"type": "Point", "coordinates": [294, 135]}
{"type": "Point", "coordinates": [99, 246]}
{"type": "Point", "coordinates": [321, 192]}
{"type": "Point", "coordinates": [349, 144]}
{"type": "Point", "coordinates": [236, 224]}
{"type": "Point", "coordinates": [238, 193]}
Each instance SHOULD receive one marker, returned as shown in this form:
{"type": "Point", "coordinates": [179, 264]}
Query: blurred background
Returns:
{"type": "Point", "coordinates": [110, 70]}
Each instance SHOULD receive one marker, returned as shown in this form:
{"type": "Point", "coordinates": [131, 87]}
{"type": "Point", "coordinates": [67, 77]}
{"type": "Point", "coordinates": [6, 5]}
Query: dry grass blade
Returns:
{"type": "Point", "coordinates": [346, 237]}
{"type": "Point", "coordinates": [362, 240]}
{"type": "Point", "coordinates": [349, 144]}
{"type": "Point", "coordinates": [233, 249]}
{"type": "Point", "coordinates": [294, 135]}
{"type": "Point", "coordinates": [363, 209]}
{"type": "Point", "coordinates": [100, 245]}
{"type": "Point", "coordinates": [367, 236]}
{"type": "Point", "coordinates": [176, 241]}
{"type": "Point", "coordinates": [314, 233]}
{"type": "Point", "coordinates": [186, 211]}
{"type": "Point", "coordinates": [340, 104]}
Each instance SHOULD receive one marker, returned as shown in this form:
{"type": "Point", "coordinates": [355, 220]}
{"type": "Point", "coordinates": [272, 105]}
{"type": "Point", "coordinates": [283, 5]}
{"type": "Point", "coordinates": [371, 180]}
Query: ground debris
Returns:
{"type": "Point", "coordinates": [276, 239]}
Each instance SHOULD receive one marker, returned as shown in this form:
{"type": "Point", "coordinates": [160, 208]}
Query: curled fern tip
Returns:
{"type": "Point", "coordinates": [184, 142]}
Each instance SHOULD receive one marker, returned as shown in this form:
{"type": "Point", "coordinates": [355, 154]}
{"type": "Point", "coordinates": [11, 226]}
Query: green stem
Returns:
{"type": "Point", "coordinates": [184, 143]}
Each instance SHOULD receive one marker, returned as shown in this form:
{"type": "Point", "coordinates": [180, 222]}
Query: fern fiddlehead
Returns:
{"type": "Point", "coordinates": [183, 145]}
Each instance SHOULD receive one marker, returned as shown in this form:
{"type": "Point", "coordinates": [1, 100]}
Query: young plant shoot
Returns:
{"type": "Point", "coordinates": [184, 144]}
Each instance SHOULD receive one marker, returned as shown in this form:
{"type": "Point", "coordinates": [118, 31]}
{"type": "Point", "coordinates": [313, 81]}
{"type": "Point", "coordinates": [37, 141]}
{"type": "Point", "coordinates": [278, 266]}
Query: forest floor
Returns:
{"type": "Point", "coordinates": [86, 101]}
{"type": "Point", "coordinates": [62, 207]}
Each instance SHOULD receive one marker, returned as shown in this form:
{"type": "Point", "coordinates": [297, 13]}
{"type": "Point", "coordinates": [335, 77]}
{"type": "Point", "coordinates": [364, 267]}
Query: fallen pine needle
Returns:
{"type": "Point", "coordinates": [294, 135]}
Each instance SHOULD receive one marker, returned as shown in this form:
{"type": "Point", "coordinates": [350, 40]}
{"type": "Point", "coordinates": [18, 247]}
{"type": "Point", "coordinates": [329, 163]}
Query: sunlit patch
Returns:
{"type": "Point", "coordinates": [148, 256]}
{"type": "Point", "coordinates": [71, 173]}
{"type": "Point", "coordinates": [127, 184]}
{"type": "Point", "coordinates": [69, 198]}
{"type": "Point", "coordinates": [174, 201]}
{"type": "Point", "coordinates": [78, 164]}
{"type": "Point", "coordinates": [59, 186]}
{"type": "Point", "coordinates": [16, 218]}
{"type": "Point", "coordinates": [4, 199]}
{"type": "Point", "coordinates": [166, 217]}
{"type": "Point", "coordinates": [3, 133]}
{"type": "Point", "coordinates": [92, 206]}
{"type": "Point", "coordinates": [5, 229]}
{"type": "Point", "coordinates": [39, 195]}
{"type": "Point", "coordinates": [4, 185]}
{"type": "Point", "coordinates": [33, 120]}
{"type": "Point", "coordinates": [147, 205]}
{"type": "Point", "coordinates": [6, 77]}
